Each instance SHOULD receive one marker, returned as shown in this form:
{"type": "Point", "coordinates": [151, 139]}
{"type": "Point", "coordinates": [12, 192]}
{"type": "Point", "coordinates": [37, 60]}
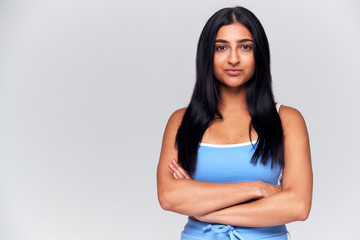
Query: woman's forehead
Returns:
{"type": "Point", "coordinates": [235, 31]}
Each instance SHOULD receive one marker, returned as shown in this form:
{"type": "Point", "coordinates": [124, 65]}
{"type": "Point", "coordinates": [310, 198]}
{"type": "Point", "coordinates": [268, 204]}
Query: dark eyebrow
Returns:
{"type": "Point", "coordinates": [240, 41]}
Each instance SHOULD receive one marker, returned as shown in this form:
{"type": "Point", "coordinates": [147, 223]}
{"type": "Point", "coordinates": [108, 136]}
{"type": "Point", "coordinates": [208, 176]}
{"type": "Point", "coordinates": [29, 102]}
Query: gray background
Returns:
{"type": "Point", "coordinates": [86, 88]}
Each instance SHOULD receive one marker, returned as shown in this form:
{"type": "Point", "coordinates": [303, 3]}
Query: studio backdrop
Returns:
{"type": "Point", "coordinates": [86, 89]}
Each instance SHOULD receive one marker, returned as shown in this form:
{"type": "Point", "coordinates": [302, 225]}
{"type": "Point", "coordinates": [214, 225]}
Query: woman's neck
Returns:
{"type": "Point", "coordinates": [232, 99]}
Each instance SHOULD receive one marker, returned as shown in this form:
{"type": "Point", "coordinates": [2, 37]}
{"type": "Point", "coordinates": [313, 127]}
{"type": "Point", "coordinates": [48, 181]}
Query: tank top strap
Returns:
{"type": "Point", "coordinates": [278, 106]}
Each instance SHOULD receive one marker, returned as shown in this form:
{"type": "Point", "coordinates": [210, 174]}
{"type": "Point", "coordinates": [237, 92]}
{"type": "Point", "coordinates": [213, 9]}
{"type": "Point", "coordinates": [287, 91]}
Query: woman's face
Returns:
{"type": "Point", "coordinates": [234, 62]}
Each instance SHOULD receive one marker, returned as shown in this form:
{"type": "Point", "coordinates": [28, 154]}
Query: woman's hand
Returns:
{"type": "Point", "coordinates": [178, 171]}
{"type": "Point", "coordinates": [267, 189]}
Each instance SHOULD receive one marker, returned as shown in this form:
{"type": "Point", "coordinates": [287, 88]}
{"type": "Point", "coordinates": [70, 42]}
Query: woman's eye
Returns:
{"type": "Point", "coordinates": [220, 48]}
{"type": "Point", "coordinates": [246, 47]}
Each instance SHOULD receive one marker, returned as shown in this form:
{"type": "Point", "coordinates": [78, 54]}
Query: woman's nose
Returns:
{"type": "Point", "coordinates": [234, 58]}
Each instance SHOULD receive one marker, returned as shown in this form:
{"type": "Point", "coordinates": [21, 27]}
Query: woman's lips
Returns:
{"type": "Point", "coordinates": [233, 72]}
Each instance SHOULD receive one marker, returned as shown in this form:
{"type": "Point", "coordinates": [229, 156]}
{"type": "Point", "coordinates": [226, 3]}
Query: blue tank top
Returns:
{"type": "Point", "coordinates": [232, 163]}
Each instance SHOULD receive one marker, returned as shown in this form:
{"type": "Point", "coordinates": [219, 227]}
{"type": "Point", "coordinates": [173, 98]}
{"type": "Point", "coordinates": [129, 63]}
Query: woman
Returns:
{"type": "Point", "coordinates": [234, 161]}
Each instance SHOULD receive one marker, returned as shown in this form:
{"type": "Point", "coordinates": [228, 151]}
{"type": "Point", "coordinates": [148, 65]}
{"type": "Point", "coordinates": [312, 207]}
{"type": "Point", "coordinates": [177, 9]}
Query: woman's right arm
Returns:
{"type": "Point", "coordinates": [194, 198]}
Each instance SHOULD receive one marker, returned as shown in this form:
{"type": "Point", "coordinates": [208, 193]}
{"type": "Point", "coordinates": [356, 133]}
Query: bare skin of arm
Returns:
{"type": "Point", "coordinates": [291, 204]}
{"type": "Point", "coordinates": [195, 198]}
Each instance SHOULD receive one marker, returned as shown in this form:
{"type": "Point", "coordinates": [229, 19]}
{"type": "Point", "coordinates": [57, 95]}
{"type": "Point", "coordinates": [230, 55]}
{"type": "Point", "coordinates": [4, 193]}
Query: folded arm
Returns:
{"type": "Point", "coordinates": [191, 197]}
{"type": "Point", "coordinates": [294, 202]}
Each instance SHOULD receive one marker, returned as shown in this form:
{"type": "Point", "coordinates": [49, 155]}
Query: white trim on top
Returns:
{"type": "Point", "coordinates": [235, 144]}
{"type": "Point", "coordinates": [227, 145]}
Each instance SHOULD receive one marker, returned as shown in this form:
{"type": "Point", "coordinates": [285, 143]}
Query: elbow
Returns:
{"type": "Point", "coordinates": [304, 215]}
{"type": "Point", "coordinates": [169, 202]}
{"type": "Point", "coordinates": [303, 210]}
{"type": "Point", "coordinates": [164, 201]}
{"type": "Point", "coordinates": [300, 205]}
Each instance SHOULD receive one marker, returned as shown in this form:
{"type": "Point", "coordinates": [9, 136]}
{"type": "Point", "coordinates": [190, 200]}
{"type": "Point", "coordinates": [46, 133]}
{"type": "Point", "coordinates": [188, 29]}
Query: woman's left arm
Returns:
{"type": "Point", "coordinates": [294, 202]}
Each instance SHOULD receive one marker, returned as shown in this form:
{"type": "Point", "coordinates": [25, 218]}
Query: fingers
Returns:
{"type": "Point", "coordinates": [277, 189]}
{"type": "Point", "coordinates": [268, 189]}
{"type": "Point", "coordinates": [183, 172]}
{"type": "Point", "coordinates": [179, 172]}
{"type": "Point", "coordinates": [176, 172]}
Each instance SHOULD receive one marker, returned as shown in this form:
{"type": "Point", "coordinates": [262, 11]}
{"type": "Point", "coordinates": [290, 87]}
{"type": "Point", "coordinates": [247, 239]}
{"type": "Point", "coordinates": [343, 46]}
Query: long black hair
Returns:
{"type": "Point", "coordinates": [203, 105]}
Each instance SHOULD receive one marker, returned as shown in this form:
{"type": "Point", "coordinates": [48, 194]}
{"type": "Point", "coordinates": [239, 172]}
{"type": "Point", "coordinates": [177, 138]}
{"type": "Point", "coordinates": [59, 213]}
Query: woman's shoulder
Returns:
{"type": "Point", "coordinates": [176, 118]}
{"type": "Point", "coordinates": [173, 125]}
{"type": "Point", "coordinates": [291, 119]}
{"type": "Point", "coordinates": [287, 112]}
{"type": "Point", "coordinates": [178, 114]}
